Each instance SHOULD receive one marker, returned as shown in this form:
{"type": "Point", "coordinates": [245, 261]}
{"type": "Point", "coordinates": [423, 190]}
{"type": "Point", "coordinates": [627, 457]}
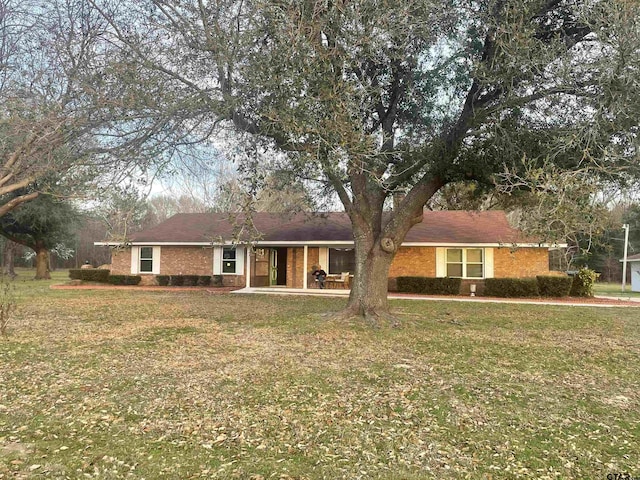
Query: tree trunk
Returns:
{"type": "Point", "coordinates": [377, 237]}
{"type": "Point", "coordinates": [42, 262]}
{"type": "Point", "coordinates": [9, 258]}
{"type": "Point", "coordinates": [368, 297]}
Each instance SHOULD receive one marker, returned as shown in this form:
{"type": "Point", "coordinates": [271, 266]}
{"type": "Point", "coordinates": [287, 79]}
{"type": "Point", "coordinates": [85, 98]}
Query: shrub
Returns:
{"type": "Point", "coordinates": [443, 286]}
{"type": "Point", "coordinates": [554, 286]}
{"type": "Point", "coordinates": [190, 280]}
{"type": "Point", "coordinates": [429, 285]}
{"type": "Point", "coordinates": [583, 281]}
{"type": "Point", "coordinates": [411, 284]}
{"type": "Point", "coordinates": [163, 280]}
{"type": "Point", "coordinates": [75, 274]}
{"type": "Point", "coordinates": [89, 274]}
{"type": "Point", "coordinates": [124, 279]}
{"type": "Point", "coordinates": [216, 281]}
{"type": "Point", "coordinates": [511, 287]}
{"type": "Point", "coordinates": [177, 280]}
{"type": "Point", "coordinates": [204, 280]}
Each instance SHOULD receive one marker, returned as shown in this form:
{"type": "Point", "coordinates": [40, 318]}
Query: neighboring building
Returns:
{"type": "Point", "coordinates": [634, 268]}
{"type": "Point", "coordinates": [470, 245]}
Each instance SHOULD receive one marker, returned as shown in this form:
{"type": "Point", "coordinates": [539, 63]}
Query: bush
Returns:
{"type": "Point", "coordinates": [216, 281]}
{"type": "Point", "coordinates": [411, 284]}
{"type": "Point", "coordinates": [511, 287]}
{"type": "Point", "coordinates": [177, 280]}
{"type": "Point", "coordinates": [429, 285]}
{"type": "Point", "coordinates": [190, 280]}
{"type": "Point", "coordinates": [583, 281]}
{"type": "Point", "coordinates": [89, 274]}
{"type": "Point", "coordinates": [554, 286]}
{"type": "Point", "coordinates": [163, 280]}
{"type": "Point", "coordinates": [124, 279]}
{"type": "Point", "coordinates": [204, 280]}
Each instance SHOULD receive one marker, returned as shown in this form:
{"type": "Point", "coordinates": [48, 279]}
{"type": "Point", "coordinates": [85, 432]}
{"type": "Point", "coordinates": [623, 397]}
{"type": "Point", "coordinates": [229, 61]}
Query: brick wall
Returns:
{"type": "Point", "coordinates": [186, 261]}
{"type": "Point", "coordinates": [414, 262]}
{"type": "Point", "coordinates": [295, 264]}
{"type": "Point", "coordinates": [409, 261]}
{"type": "Point", "coordinates": [121, 262]}
{"type": "Point", "coordinates": [520, 262]}
{"type": "Point", "coordinates": [193, 261]}
{"type": "Point", "coordinates": [175, 261]}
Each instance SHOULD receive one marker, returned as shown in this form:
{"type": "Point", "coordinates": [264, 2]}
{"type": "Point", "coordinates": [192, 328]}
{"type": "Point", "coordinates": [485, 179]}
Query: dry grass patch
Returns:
{"type": "Point", "coordinates": [188, 385]}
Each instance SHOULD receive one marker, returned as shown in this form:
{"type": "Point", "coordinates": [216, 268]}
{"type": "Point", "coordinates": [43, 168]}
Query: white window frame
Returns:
{"type": "Point", "coordinates": [136, 259]}
{"type": "Point", "coordinates": [233, 260]}
{"type": "Point", "coordinates": [465, 263]}
{"type": "Point", "coordinates": [218, 260]}
{"type": "Point", "coordinates": [143, 259]}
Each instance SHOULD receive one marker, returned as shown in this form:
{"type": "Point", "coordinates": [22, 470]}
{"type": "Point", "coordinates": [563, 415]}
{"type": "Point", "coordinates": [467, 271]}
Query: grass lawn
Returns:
{"type": "Point", "coordinates": [126, 384]}
{"type": "Point", "coordinates": [614, 290]}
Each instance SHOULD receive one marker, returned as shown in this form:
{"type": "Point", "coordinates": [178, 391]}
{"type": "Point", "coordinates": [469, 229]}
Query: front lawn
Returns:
{"type": "Point", "coordinates": [614, 290]}
{"type": "Point", "coordinates": [126, 384]}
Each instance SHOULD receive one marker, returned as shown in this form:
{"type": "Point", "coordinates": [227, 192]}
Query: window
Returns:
{"type": "Point", "coordinates": [465, 262]}
{"type": "Point", "coordinates": [146, 260]}
{"type": "Point", "coordinates": [229, 260]}
{"type": "Point", "coordinates": [341, 260]}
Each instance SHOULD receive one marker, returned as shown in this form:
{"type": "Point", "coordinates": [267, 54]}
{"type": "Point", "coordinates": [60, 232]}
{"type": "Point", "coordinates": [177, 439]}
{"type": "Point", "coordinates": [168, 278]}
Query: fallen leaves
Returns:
{"type": "Point", "coordinates": [147, 385]}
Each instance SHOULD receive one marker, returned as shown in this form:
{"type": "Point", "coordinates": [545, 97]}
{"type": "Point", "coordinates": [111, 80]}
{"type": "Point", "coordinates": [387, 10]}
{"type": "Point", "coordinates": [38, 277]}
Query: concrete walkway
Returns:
{"type": "Point", "coordinates": [599, 301]}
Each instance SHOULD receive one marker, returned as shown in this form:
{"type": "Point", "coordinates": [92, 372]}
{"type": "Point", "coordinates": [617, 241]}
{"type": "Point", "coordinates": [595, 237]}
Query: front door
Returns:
{"type": "Point", "coordinates": [278, 266]}
{"type": "Point", "coordinates": [273, 266]}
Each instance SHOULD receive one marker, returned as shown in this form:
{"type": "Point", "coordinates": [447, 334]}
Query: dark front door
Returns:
{"type": "Point", "coordinates": [278, 266]}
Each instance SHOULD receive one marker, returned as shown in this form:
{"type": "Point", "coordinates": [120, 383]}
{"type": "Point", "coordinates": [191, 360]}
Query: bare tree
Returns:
{"type": "Point", "coordinates": [65, 123]}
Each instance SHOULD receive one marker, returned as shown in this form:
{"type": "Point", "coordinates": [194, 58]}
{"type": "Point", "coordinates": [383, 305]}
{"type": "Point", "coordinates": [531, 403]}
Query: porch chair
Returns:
{"type": "Point", "coordinates": [342, 282]}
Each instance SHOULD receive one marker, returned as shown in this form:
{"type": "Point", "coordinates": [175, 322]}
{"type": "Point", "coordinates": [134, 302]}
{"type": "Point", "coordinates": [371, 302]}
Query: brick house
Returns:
{"type": "Point", "coordinates": [282, 248]}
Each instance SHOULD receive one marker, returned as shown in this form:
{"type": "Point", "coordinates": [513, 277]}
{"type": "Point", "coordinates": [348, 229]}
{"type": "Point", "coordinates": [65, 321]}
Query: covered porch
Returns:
{"type": "Point", "coordinates": [289, 266]}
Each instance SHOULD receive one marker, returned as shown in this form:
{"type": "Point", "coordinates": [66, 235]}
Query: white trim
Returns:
{"type": "Point", "coordinates": [135, 260]}
{"type": "Point", "coordinates": [240, 260]}
{"type": "Point", "coordinates": [305, 267]}
{"type": "Point", "coordinates": [314, 243]}
{"type": "Point", "coordinates": [488, 263]}
{"type": "Point", "coordinates": [217, 260]}
{"type": "Point", "coordinates": [441, 262]}
{"type": "Point", "coordinates": [465, 263]}
{"type": "Point", "coordinates": [155, 259]}
{"type": "Point", "coordinates": [248, 273]}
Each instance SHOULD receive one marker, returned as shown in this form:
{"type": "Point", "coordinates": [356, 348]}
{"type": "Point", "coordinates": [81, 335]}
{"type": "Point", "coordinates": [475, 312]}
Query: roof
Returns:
{"type": "Point", "coordinates": [632, 258]}
{"type": "Point", "coordinates": [436, 228]}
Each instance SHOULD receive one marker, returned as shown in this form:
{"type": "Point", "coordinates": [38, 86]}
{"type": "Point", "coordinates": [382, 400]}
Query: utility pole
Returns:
{"type": "Point", "coordinates": [625, 227]}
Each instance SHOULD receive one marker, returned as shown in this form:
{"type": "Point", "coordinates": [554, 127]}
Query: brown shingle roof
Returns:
{"type": "Point", "coordinates": [441, 227]}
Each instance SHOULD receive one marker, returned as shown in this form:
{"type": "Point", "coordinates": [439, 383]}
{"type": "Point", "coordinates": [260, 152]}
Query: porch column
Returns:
{"type": "Point", "coordinates": [248, 279]}
{"type": "Point", "coordinates": [304, 266]}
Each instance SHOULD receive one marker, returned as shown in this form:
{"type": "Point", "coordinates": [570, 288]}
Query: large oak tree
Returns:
{"type": "Point", "coordinates": [374, 97]}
